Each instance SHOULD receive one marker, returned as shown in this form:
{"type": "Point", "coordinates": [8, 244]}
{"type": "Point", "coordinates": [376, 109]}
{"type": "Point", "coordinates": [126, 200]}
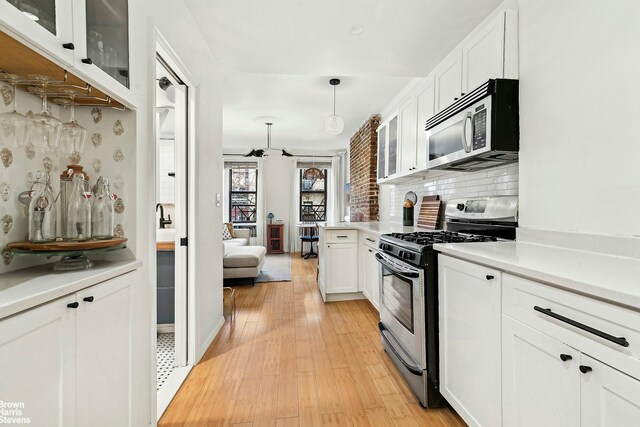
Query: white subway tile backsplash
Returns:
{"type": "Point", "coordinates": [499, 181]}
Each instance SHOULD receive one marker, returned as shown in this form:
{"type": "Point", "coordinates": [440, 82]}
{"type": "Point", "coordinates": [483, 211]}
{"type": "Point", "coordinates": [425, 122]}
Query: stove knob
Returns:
{"type": "Point", "coordinates": [402, 254]}
{"type": "Point", "coordinates": [460, 206]}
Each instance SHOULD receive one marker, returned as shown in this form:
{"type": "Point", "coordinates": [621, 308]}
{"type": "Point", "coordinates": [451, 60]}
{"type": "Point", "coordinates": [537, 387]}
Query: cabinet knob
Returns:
{"type": "Point", "coordinates": [490, 277]}
{"type": "Point", "coordinates": [88, 299]}
{"type": "Point", "coordinates": [565, 357]}
{"type": "Point", "coordinates": [370, 250]}
{"type": "Point", "coordinates": [462, 94]}
{"type": "Point", "coordinates": [584, 369]}
{"type": "Point", "coordinates": [73, 305]}
{"type": "Point", "coordinates": [87, 61]}
{"type": "Point", "coordinates": [69, 46]}
{"type": "Point", "coordinates": [456, 98]}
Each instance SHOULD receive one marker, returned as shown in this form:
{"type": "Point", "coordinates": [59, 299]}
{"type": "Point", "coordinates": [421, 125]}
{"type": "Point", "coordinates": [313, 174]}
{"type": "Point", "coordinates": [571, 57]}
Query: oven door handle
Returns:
{"type": "Point", "coordinates": [409, 276]}
{"type": "Point", "coordinates": [411, 368]}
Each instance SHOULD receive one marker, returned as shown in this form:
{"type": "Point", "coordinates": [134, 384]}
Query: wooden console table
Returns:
{"type": "Point", "coordinates": [275, 238]}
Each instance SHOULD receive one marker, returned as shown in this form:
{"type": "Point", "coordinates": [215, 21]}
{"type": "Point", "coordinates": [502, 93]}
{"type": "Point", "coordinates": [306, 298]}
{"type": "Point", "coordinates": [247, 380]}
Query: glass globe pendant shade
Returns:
{"type": "Point", "coordinates": [334, 125]}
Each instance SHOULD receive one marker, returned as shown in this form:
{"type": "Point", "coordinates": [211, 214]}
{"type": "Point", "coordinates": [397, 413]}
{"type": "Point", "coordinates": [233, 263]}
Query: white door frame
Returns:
{"type": "Point", "coordinates": [186, 294]}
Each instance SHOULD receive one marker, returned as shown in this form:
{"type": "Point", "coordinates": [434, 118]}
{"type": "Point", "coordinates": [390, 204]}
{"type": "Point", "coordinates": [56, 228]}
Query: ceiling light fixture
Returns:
{"type": "Point", "coordinates": [263, 152]}
{"type": "Point", "coordinates": [334, 125]}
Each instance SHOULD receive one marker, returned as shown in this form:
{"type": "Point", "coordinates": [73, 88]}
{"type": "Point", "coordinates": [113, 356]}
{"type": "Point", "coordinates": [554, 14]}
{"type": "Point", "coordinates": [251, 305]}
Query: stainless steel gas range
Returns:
{"type": "Point", "coordinates": [409, 287]}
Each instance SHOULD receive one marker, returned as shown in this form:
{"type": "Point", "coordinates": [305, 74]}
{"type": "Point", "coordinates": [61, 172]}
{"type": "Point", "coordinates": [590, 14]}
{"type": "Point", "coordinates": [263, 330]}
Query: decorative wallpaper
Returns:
{"type": "Point", "coordinates": [109, 151]}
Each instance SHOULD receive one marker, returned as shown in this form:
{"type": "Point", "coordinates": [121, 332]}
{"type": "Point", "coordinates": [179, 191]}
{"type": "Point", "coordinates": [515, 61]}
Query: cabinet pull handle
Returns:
{"type": "Point", "coordinates": [489, 277]}
{"type": "Point", "coordinates": [370, 250]}
{"type": "Point", "coordinates": [371, 240]}
{"type": "Point", "coordinates": [88, 299]}
{"type": "Point", "coordinates": [584, 369]}
{"type": "Point", "coordinates": [342, 237]}
{"type": "Point", "coordinates": [455, 99]}
{"type": "Point", "coordinates": [565, 357]}
{"type": "Point", "coordinates": [616, 340]}
{"type": "Point", "coordinates": [87, 61]}
{"type": "Point", "coordinates": [73, 305]}
{"type": "Point", "coordinates": [69, 46]}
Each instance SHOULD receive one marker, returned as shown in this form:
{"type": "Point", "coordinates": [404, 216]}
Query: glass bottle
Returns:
{"type": "Point", "coordinates": [79, 212]}
{"type": "Point", "coordinates": [42, 211]}
{"type": "Point", "coordinates": [102, 212]}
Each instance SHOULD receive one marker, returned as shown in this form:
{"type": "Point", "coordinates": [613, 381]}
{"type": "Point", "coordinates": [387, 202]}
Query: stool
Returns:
{"type": "Point", "coordinates": [310, 239]}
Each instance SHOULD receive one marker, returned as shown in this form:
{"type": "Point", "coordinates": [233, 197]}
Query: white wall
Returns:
{"type": "Point", "coordinates": [175, 23]}
{"type": "Point", "coordinates": [579, 108]}
{"type": "Point", "coordinates": [276, 174]}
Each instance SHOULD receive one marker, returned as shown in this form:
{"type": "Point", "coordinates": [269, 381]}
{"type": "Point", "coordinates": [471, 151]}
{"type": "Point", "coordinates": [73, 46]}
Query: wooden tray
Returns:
{"type": "Point", "coordinates": [61, 246]}
{"type": "Point", "coordinates": [429, 212]}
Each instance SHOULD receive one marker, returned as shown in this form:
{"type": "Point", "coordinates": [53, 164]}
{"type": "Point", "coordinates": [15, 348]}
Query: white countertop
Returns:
{"type": "Point", "coordinates": [371, 227]}
{"type": "Point", "coordinates": [611, 278]}
{"type": "Point", "coordinates": [26, 288]}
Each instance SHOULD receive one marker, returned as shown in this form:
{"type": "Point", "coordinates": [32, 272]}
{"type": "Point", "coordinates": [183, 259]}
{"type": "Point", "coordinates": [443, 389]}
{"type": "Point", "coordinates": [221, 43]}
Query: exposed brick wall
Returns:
{"type": "Point", "coordinates": [363, 162]}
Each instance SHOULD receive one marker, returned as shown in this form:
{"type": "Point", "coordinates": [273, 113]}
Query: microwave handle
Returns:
{"type": "Point", "coordinates": [466, 143]}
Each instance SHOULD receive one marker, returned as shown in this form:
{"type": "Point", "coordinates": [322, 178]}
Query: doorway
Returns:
{"type": "Point", "coordinates": [171, 219]}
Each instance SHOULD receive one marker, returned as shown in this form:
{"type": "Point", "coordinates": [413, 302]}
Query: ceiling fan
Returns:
{"type": "Point", "coordinates": [263, 152]}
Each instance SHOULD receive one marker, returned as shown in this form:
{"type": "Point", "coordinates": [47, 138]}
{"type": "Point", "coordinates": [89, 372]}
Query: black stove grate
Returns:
{"type": "Point", "coordinates": [430, 238]}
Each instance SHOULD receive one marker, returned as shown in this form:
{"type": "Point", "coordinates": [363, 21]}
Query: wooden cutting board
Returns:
{"type": "Point", "coordinates": [429, 212]}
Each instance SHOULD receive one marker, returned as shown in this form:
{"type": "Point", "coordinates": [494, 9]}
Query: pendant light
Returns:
{"type": "Point", "coordinates": [263, 152]}
{"type": "Point", "coordinates": [334, 124]}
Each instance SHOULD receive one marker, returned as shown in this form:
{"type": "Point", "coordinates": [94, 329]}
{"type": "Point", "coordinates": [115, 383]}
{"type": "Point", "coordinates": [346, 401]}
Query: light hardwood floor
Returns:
{"type": "Point", "coordinates": [288, 359]}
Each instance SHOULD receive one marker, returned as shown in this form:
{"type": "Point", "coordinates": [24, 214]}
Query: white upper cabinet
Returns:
{"type": "Point", "coordinates": [88, 38]}
{"type": "Point", "coordinates": [407, 136]}
{"type": "Point", "coordinates": [102, 44]}
{"type": "Point", "coordinates": [448, 80]}
{"type": "Point", "coordinates": [382, 151]}
{"type": "Point", "coordinates": [46, 24]}
{"type": "Point", "coordinates": [425, 109]}
{"type": "Point", "coordinates": [389, 148]}
{"type": "Point", "coordinates": [483, 55]}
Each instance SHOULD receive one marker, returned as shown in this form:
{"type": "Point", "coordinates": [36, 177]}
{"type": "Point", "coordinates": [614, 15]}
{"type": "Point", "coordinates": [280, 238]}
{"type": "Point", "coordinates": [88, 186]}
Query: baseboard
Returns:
{"type": "Point", "coordinates": [345, 296]}
{"type": "Point", "coordinates": [210, 338]}
{"type": "Point", "coordinates": [166, 328]}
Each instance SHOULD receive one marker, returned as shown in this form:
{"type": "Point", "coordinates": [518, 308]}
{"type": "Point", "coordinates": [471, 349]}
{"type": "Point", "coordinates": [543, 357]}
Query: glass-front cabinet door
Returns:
{"type": "Point", "coordinates": [382, 151]}
{"type": "Point", "coordinates": [392, 167]}
{"type": "Point", "coordinates": [108, 37]}
{"type": "Point", "coordinates": [47, 24]}
{"type": "Point", "coordinates": [101, 29]}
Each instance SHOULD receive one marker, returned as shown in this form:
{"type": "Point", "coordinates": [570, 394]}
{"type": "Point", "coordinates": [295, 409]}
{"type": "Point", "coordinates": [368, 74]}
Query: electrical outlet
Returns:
{"type": "Point", "coordinates": [218, 199]}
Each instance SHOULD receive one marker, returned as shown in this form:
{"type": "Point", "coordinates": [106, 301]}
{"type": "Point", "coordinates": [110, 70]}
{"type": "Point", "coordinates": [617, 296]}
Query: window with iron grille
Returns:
{"type": "Point", "coordinates": [313, 195]}
{"type": "Point", "coordinates": [243, 194]}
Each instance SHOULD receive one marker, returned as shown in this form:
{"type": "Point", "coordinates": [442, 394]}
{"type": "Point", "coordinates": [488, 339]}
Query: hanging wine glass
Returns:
{"type": "Point", "coordinates": [44, 129]}
{"type": "Point", "coordinates": [13, 125]}
{"type": "Point", "coordinates": [73, 137]}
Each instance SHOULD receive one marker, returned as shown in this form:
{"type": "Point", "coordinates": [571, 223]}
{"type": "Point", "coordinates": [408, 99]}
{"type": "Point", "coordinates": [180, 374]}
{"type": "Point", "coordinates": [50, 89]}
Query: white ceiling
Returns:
{"type": "Point", "coordinates": [278, 56]}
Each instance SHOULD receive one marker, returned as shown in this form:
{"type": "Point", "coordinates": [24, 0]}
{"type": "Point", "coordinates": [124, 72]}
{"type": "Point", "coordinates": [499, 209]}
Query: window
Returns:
{"type": "Point", "coordinates": [313, 194]}
{"type": "Point", "coordinates": [243, 194]}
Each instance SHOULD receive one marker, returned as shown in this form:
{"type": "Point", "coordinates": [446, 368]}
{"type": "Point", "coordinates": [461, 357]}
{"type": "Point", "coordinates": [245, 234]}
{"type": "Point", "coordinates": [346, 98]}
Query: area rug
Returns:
{"type": "Point", "coordinates": [277, 268]}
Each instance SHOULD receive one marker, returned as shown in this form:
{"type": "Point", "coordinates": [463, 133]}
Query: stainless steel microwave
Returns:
{"type": "Point", "coordinates": [478, 131]}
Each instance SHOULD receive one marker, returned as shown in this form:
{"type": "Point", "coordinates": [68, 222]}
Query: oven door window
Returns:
{"type": "Point", "coordinates": [446, 141]}
{"type": "Point", "coordinates": [397, 297]}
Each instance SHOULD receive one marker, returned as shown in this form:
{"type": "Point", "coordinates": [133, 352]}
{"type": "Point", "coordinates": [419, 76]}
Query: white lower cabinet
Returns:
{"type": "Point", "coordinates": [548, 383]}
{"type": "Point", "coordinates": [369, 268]}
{"type": "Point", "coordinates": [609, 397]}
{"type": "Point", "coordinates": [37, 356]}
{"type": "Point", "coordinates": [540, 382]}
{"type": "Point", "coordinates": [103, 330]}
{"type": "Point", "coordinates": [470, 340]}
{"type": "Point", "coordinates": [341, 267]}
{"type": "Point", "coordinates": [69, 361]}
